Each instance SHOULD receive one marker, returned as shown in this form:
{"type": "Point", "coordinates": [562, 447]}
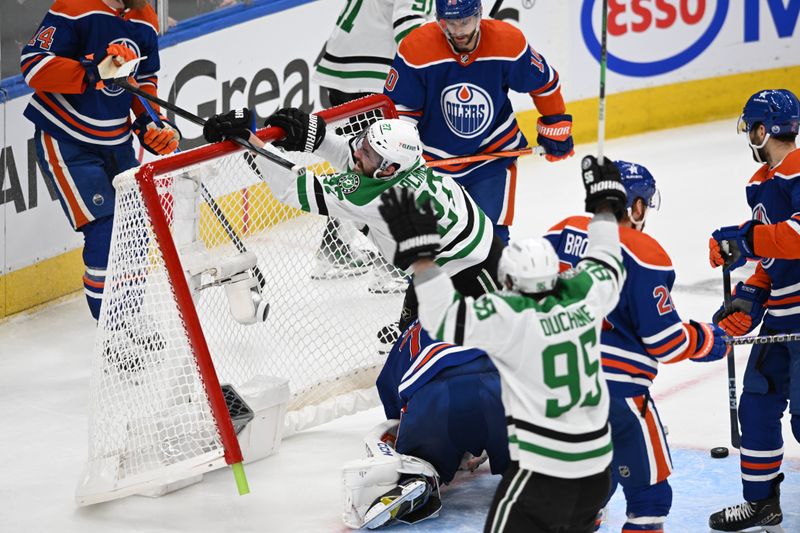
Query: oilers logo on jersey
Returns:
{"type": "Point", "coordinates": [113, 90]}
{"type": "Point", "coordinates": [760, 214]}
{"type": "Point", "coordinates": [467, 109]}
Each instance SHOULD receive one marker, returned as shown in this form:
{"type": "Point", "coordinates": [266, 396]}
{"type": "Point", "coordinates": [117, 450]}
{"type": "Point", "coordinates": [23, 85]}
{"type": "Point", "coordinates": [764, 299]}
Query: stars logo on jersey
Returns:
{"type": "Point", "coordinates": [349, 182]}
{"type": "Point", "coordinates": [467, 109]}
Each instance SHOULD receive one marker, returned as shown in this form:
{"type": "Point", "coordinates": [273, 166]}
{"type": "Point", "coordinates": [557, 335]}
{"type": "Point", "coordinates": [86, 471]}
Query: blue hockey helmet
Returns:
{"type": "Point", "coordinates": [639, 183]}
{"type": "Point", "coordinates": [777, 109]}
{"type": "Point", "coordinates": [457, 9]}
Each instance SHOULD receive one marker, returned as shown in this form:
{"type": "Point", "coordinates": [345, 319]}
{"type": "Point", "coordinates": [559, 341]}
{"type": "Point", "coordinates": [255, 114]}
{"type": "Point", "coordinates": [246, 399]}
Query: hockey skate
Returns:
{"type": "Point", "coordinates": [763, 515]}
{"type": "Point", "coordinates": [388, 279]}
{"type": "Point", "coordinates": [336, 259]}
{"type": "Point", "coordinates": [409, 495]}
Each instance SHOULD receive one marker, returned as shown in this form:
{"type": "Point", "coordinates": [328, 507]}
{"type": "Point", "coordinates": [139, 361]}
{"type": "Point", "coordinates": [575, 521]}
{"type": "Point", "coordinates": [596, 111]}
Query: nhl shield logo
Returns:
{"type": "Point", "coordinates": [467, 109]}
{"type": "Point", "coordinates": [349, 182]}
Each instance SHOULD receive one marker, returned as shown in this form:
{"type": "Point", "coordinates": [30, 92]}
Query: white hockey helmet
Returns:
{"type": "Point", "coordinates": [396, 142]}
{"type": "Point", "coordinates": [529, 265]}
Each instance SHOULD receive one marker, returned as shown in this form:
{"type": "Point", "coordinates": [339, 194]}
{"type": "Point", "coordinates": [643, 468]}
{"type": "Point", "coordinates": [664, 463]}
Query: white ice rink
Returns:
{"type": "Point", "coordinates": [44, 373]}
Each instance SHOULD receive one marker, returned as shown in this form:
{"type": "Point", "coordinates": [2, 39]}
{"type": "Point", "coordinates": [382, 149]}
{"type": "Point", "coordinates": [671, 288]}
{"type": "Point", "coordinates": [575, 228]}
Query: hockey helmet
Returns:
{"type": "Point", "coordinates": [530, 265]}
{"type": "Point", "coordinates": [457, 9]}
{"type": "Point", "coordinates": [395, 141]}
{"type": "Point", "coordinates": [639, 183]}
{"type": "Point", "coordinates": [777, 109]}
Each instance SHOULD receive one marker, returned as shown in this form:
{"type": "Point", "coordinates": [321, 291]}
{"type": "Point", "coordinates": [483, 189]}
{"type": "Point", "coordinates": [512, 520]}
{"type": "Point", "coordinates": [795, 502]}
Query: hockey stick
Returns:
{"type": "Point", "coordinates": [736, 437]}
{"type": "Point", "coordinates": [601, 122]}
{"type": "Point", "coordinates": [484, 157]}
{"type": "Point", "coordinates": [762, 339]}
{"type": "Point", "coordinates": [122, 81]}
{"type": "Point", "coordinates": [215, 208]}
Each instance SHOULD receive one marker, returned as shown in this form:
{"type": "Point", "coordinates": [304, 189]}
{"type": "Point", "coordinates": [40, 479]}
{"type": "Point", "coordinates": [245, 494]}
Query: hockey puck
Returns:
{"type": "Point", "coordinates": [719, 452]}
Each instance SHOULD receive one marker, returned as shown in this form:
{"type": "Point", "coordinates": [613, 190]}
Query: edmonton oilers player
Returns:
{"type": "Point", "coordinates": [770, 120]}
{"type": "Point", "coordinates": [642, 331]}
{"type": "Point", "coordinates": [83, 126]}
{"type": "Point", "coordinates": [447, 399]}
{"type": "Point", "coordinates": [452, 77]}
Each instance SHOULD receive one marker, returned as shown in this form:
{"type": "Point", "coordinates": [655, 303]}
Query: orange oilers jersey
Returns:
{"type": "Point", "coordinates": [62, 104]}
{"type": "Point", "coordinates": [644, 329]}
{"type": "Point", "coordinates": [774, 198]}
{"type": "Point", "coordinates": [459, 101]}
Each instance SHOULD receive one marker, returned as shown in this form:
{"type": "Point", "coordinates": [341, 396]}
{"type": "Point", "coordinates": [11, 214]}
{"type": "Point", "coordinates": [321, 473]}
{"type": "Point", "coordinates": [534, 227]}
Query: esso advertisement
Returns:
{"type": "Point", "coordinates": [678, 40]}
{"type": "Point", "coordinates": [654, 36]}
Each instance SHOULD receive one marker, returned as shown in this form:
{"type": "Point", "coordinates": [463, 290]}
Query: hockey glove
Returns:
{"type": "Point", "coordinates": [555, 136]}
{"type": "Point", "coordinates": [731, 246]}
{"type": "Point", "coordinates": [104, 65]}
{"type": "Point", "coordinates": [747, 309]}
{"type": "Point", "coordinates": [158, 140]}
{"type": "Point", "coordinates": [235, 123]}
{"type": "Point", "coordinates": [413, 228]}
{"type": "Point", "coordinates": [304, 132]}
{"type": "Point", "coordinates": [710, 344]}
{"type": "Point", "coordinates": [603, 186]}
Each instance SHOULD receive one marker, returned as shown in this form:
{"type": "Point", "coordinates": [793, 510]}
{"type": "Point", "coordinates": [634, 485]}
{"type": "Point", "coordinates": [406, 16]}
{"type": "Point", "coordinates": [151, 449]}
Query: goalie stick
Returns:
{"type": "Point", "coordinates": [215, 208]}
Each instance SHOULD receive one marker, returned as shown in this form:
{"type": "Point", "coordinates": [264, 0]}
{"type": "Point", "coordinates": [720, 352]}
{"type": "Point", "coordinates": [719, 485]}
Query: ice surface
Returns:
{"type": "Point", "coordinates": [44, 371]}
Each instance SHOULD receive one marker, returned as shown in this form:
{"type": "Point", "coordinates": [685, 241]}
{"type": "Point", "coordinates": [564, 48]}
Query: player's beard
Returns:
{"type": "Point", "coordinates": [759, 154]}
{"type": "Point", "coordinates": [134, 4]}
{"type": "Point", "coordinates": [473, 39]}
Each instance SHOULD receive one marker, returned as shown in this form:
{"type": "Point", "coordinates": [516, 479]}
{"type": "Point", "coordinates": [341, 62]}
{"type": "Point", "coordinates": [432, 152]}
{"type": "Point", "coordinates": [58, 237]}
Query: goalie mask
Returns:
{"type": "Point", "coordinates": [389, 142]}
{"type": "Point", "coordinates": [529, 266]}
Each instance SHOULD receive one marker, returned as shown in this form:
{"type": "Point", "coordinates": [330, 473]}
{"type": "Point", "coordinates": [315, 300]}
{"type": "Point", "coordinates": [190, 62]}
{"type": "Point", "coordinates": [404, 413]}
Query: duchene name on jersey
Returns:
{"type": "Point", "coordinates": [566, 320]}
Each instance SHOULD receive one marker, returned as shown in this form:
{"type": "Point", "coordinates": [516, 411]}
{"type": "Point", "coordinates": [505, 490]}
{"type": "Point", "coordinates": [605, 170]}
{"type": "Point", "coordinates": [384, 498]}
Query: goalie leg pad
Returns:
{"type": "Point", "coordinates": [365, 480]}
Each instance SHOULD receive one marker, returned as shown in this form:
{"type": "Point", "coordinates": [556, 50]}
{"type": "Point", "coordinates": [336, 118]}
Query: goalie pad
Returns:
{"type": "Point", "coordinates": [367, 480]}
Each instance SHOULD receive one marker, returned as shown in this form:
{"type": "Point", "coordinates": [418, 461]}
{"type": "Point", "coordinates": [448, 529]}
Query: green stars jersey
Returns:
{"type": "Point", "coordinates": [359, 52]}
{"type": "Point", "coordinates": [466, 233]}
{"type": "Point", "coordinates": [547, 351]}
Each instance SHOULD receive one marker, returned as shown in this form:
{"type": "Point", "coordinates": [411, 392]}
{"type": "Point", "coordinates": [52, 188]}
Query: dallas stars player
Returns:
{"type": "Point", "coordinates": [543, 336]}
{"type": "Point", "coordinates": [388, 154]}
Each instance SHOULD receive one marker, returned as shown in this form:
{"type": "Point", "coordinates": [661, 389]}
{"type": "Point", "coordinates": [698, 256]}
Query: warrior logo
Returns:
{"type": "Point", "coordinates": [760, 214]}
{"type": "Point", "coordinates": [349, 182]}
{"type": "Point", "coordinates": [467, 109]}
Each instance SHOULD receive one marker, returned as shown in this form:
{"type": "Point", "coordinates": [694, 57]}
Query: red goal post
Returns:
{"type": "Point", "coordinates": [172, 326]}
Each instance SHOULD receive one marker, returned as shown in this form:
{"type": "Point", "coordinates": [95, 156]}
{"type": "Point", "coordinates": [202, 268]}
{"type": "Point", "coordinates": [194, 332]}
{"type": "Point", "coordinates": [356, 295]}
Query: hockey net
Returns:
{"type": "Point", "coordinates": [190, 231]}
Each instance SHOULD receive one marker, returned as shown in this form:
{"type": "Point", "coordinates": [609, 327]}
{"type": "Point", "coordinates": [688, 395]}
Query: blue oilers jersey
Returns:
{"type": "Point", "coordinates": [460, 100]}
{"type": "Point", "coordinates": [414, 360]}
{"type": "Point", "coordinates": [644, 329]}
{"type": "Point", "coordinates": [63, 105]}
{"type": "Point", "coordinates": [774, 197]}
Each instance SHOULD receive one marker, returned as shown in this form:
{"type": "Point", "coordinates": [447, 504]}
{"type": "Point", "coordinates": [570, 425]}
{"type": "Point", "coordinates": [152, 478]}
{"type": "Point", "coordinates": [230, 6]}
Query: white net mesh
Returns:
{"type": "Point", "coordinates": [329, 294]}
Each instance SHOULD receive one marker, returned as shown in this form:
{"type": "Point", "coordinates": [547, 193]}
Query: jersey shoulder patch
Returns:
{"type": "Point", "coordinates": [501, 40]}
{"type": "Point", "coordinates": [425, 45]}
{"type": "Point", "coordinates": [580, 222]}
{"type": "Point", "coordinates": [790, 166]}
{"type": "Point", "coordinates": [644, 249]}
{"type": "Point", "coordinates": [78, 8]}
{"type": "Point", "coordinates": [146, 15]}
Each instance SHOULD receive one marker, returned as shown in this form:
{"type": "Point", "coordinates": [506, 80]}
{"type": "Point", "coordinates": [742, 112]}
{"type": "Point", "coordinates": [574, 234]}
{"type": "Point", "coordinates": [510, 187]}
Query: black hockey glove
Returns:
{"type": "Point", "coordinates": [413, 228]}
{"type": "Point", "coordinates": [304, 132]}
{"type": "Point", "coordinates": [234, 123]}
{"type": "Point", "coordinates": [603, 186]}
